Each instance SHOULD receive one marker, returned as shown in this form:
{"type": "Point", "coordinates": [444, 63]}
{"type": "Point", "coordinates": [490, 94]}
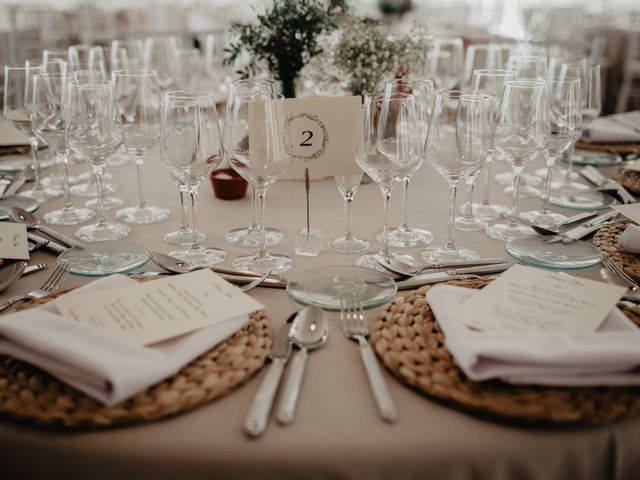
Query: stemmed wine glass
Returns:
{"type": "Point", "coordinates": [49, 119]}
{"type": "Point", "coordinates": [390, 150]}
{"type": "Point", "coordinates": [348, 243]}
{"type": "Point", "coordinates": [191, 147]}
{"type": "Point", "coordinates": [17, 109]}
{"type": "Point", "coordinates": [446, 61]}
{"type": "Point", "coordinates": [137, 96]}
{"type": "Point", "coordinates": [457, 144]}
{"type": "Point", "coordinates": [423, 95]}
{"type": "Point", "coordinates": [565, 126]}
{"type": "Point", "coordinates": [260, 150]}
{"type": "Point", "coordinates": [527, 66]}
{"type": "Point", "coordinates": [521, 134]}
{"type": "Point", "coordinates": [95, 132]}
{"type": "Point", "coordinates": [160, 54]}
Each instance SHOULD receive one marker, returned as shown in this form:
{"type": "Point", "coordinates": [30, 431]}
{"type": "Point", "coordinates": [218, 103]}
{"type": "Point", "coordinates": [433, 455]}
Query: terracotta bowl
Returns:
{"type": "Point", "coordinates": [228, 184]}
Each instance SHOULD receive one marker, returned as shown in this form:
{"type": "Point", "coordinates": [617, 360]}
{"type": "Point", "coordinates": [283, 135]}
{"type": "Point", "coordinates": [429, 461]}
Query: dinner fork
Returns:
{"type": "Point", "coordinates": [50, 285]}
{"type": "Point", "coordinates": [354, 326]}
{"type": "Point", "coordinates": [614, 267]}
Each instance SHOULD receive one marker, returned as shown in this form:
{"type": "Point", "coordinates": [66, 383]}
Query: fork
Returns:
{"type": "Point", "coordinates": [614, 267]}
{"type": "Point", "coordinates": [354, 327]}
{"type": "Point", "coordinates": [255, 283]}
{"type": "Point", "coordinates": [50, 285]}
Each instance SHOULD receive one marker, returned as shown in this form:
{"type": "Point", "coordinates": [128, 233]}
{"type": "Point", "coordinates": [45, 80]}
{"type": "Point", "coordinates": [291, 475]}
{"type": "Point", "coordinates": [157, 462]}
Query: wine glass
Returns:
{"type": "Point", "coordinates": [17, 109]}
{"type": "Point", "coordinates": [389, 151]}
{"type": "Point", "coordinates": [87, 57]}
{"type": "Point", "coordinates": [565, 126]}
{"type": "Point", "coordinates": [521, 134]}
{"type": "Point", "coordinates": [446, 61]}
{"type": "Point", "coordinates": [248, 236]}
{"type": "Point", "coordinates": [191, 147]}
{"type": "Point", "coordinates": [49, 118]}
{"type": "Point", "coordinates": [527, 66]}
{"type": "Point", "coordinates": [137, 95]}
{"type": "Point", "coordinates": [260, 151]}
{"type": "Point", "coordinates": [422, 91]}
{"type": "Point", "coordinates": [348, 243]}
{"type": "Point", "coordinates": [126, 54]}
{"type": "Point", "coordinates": [95, 132]}
{"type": "Point", "coordinates": [160, 54]}
{"type": "Point", "coordinates": [457, 144]}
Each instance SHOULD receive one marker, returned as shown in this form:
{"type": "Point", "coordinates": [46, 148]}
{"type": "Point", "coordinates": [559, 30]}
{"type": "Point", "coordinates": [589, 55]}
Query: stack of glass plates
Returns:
{"type": "Point", "coordinates": [535, 251]}
{"type": "Point", "coordinates": [105, 258]}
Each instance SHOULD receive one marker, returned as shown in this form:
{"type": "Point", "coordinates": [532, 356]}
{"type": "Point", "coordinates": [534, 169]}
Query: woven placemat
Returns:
{"type": "Point", "coordinates": [629, 179]}
{"type": "Point", "coordinates": [409, 341]}
{"type": "Point", "coordinates": [606, 240]}
{"type": "Point", "coordinates": [620, 148]}
{"type": "Point", "coordinates": [30, 394]}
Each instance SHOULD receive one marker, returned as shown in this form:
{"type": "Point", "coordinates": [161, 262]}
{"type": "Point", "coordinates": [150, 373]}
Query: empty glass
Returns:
{"type": "Point", "coordinates": [527, 66]}
{"type": "Point", "coordinates": [348, 243]}
{"type": "Point", "coordinates": [160, 54]}
{"type": "Point", "coordinates": [446, 62]}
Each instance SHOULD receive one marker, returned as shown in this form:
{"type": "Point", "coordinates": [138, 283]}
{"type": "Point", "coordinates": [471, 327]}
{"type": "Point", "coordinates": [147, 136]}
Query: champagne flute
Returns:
{"type": "Point", "coordinates": [348, 243]}
{"type": "Point", "coordinates": [259, 150]}
{"type": "Point", "coordinates": [49, 118]}
{"type": "Point", "coordinates": [137, 96]}
{"type": "Point", "coordinates": [457, 144]}
{"type": "Point", "coordinates": [521, 134]}
{"type": "Point", "coordinates": [191, 147]}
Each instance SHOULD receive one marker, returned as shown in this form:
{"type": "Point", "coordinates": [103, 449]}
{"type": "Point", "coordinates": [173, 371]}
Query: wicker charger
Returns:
{"type": "Point", "coordinates": [606, 240]}
{"type": "Point", "coordinates": [629, 179]}
{"type": "Point", "coordinates": [619, 148]}
{"type": "Point", "coordinates": [409, 341]}
{"type": "Point", "coordinates": [30, 394]}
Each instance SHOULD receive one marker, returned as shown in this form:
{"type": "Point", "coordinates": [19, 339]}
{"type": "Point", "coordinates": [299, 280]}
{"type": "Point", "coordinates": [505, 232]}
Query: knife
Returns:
{"type": "Point", "coordinates": [458, 264]}
{"type": "Point", "coordinates": [453, 274]}
{"type": "Point", "coordinates": [584, 229]}
{"type": "Point", "coordinates": [607, 185]}
{"type": "Point", "coordinates": [255, 423]}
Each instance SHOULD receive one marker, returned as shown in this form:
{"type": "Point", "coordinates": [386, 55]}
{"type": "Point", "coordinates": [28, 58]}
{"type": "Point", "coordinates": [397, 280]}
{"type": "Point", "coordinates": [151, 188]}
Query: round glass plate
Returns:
{"type": "Point", "coordinates": [105, 258]}
{"type": "Point", "coordinates": [557, 255]}
{"type": "Point", "coordinates": [581, 199]}
{"type": "Point", "coordinates": [8, 203]}
{"type": "Point", "coordinates": [15, 163]}
{"type": "Point", "coordinates": [322, 287]}
{"type": "Point", "coordinates": [584, 158]}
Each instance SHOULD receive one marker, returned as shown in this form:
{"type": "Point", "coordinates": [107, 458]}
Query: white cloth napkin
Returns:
{"type": "Point", "coordinates": [629, 240]}
{"type": "Point", "coordinates": [614, 128]}
{"type": "Point", "coordinates": [609, 356]}
{"type": "Point", "coordinates": [99, 363]}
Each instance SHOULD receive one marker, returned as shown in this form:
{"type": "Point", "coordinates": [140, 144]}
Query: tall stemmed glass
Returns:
{"type": "Point", "coordinates": [423, 95]}
{"type": "Point", "coordinates": [191, 147]}
{"type": "Point", "coordinates": [49, 119]}
{"type": "Point", "coordinates": [527, 66]}
{"type": "Point", "coordinates": [390, 150]}
{"type": "Point", "coordinates": [259, 150]}
{"type": "Point", "coordinates": [17, 109]}
{"type": "Point", "coordinates": [160, 54]}
{"type": "Point", "coordinates": [521, 134]}
{"type": "Point", "coordinates": [348, 243]}
{"type": "Point", "coordinates": [448, 60]}
{"type": "Point", "coordinates": [138, 99]}
{"type": "Point", "coordinates": [457, 144]}
{"type": "Point", "coordinates": [565, 127]}
{"type": "Point", "coordinates": [95, 132]}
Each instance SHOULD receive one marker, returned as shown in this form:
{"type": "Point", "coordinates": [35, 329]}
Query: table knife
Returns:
{"type": "Point", "coordinates": [255, 423]}
{"type": "Point", "coordinates": [584, 229]}
{"type": "Point", "coordinates": [453, 274]}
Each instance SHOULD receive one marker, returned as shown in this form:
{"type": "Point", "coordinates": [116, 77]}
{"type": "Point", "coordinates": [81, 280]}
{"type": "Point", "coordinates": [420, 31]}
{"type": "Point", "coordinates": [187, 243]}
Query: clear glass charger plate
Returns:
{"type": "Point", "coordinates": [585, 158]}
{"type": "Point", "coordinates": [8, 203]}
{"type": "Point", "coordinates": [563, 256]}
{"type": "Point", "coordinates": [14, 163]}
{"type": "Point", "coordinates": [581, 199]}
{"type": "Point", "coordinates": [322, 287]}
{"type": "Point", "coordinates": [98, 259]}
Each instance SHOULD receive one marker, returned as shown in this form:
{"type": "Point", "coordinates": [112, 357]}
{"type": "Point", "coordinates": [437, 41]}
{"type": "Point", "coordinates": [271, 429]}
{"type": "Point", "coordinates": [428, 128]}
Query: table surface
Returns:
{"type": "Point", "coordinates": [337, 432]}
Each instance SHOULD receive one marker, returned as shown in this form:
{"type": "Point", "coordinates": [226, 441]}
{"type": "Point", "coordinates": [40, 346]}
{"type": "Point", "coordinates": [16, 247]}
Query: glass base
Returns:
{"type": "Point", "coordinates": [268, 263]}
{"type": "Point", "coordinates": [41, 195]}
{"type": "Point", "coordinates": [201, 257]}
{"type": "Point", "coordinates": [406, 237]}
{"type": "Point", "coordinates": [489, 212]}
{"type": "Point", "coordinates": [525, 191]}
{"type": "Point", "coordinates": [559, 255]}
{"type": "Point", "coordinates": [348, 245]}
{"type": "Point", "coordinates": [559, 174]}
{"type": "Point", "coordinates": [183, 236]}
{"type": "Point", "coordinates": [372, 260]}
{"type": "Point", "coordinates": [506, 179]}
{"type": "Point", "coordinates": [581, 199]}
{"type": "Point", "coordinates": [242, 238]}
{"type": "Point", "coordinates": [472, 224]}
{"type": "Point", "coordinates": [443, 254]}
{"type": "Point", "coordinates": [89, 189]}
{"type": "Point", "coordinates": [105, 258]}
{"type": "Point", "coordinates": [505, 232]}
{"type": "Point", "coordinates": [105, 231]}
{"type": "Point", "coordinates": [542, 219]}
{"type": "Point", "coordinates": [144, 215]}
{"type": "Point", "coordinates": [108, 203]}
{"type": "Point", "coordinates": [68, 216]}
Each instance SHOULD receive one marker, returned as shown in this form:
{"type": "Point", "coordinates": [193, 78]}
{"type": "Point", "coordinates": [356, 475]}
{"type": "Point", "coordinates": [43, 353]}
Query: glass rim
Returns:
{"type": "Point", "coordinates": [47, 75]}
{"type": "Point", "coordinates": [407, 80]}
{"type": "Point", "coordinates": [243, 81]}
{"type": "Point", "coordinates": [134, 72]}
{"type": "Point", "coordinates": [496, 72]}
{"type": "Point", "coordinates": [250, 95]}
{"type": "Point", "coordinates": [21, 67]}
{"type": "Point", "coordinates": [561, 79]}
{"type": "Point", "coordinates": [95, 85]}
{"type": "Point", "coordinates": [537, 57]}
{"type": "Point", "coordinates": [525, 83]}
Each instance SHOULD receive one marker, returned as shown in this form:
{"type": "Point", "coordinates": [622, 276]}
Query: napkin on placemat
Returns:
{"type": "Point", "coordinates": [609, 356]}
{"type": "Point", "coordinates": [97, 362]}
{"type": "Point", "coordinates": [622, 127]}
{"type": "Point", "coordinates": [629, 240]}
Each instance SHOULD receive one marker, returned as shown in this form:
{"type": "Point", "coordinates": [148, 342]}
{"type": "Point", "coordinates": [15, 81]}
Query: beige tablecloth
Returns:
{"type": "Point", "coordinates": [337, 433]}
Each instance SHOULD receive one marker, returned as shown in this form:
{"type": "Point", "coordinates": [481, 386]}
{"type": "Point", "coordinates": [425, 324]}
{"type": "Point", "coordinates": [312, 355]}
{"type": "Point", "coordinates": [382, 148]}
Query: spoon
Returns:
{"type": "Point", "coordinates": [10, 274]}
{"type": "Point", "coordinates": [407, 270]}
{"type": "Point", "coordinates": [20, 215]}
{"type": "Point", "coordinates": [309, 330]}
{"type": "Point", "coordinates": [175, 265]}
{"type": "Point", "coordinates": [556, 229]}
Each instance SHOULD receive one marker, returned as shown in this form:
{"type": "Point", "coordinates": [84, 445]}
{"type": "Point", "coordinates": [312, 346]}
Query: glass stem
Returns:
{"type": "Point", "coordinates": [348, 201]}
{"type": "Point", "coordinates": [33, 142]}
{"type": "Point", "coordinates": [98, 170]}
{"type": "Point", "coordinates": [487, 179]}
{"type": "Point", "coordinates": [253, 226]}
{"type": "Point", "coordinates": [195, 240]}
{"type": "Point", "coordinates": [569, 171]}
{"type": "Point", "coordinates": [405, 203]}
{"type": "Point", "coordinates": [546, 206]}
{"type": "Point", "coordinates": [386, 193]}
{"type": "Point", "coordinates": [450, 244]}
{"type": "Point", "coordinates": [517, 175]}
{"type": "Point", "coordinates": [262, 244]}
{"type": "Point", "coordinates": [61, 159]}
{"type": "Point", "coordinates": [184, 221]}
{"type": "Point", "coordinates": [139, 166]}
{"type": "Point", "coordinates": [468, 209]}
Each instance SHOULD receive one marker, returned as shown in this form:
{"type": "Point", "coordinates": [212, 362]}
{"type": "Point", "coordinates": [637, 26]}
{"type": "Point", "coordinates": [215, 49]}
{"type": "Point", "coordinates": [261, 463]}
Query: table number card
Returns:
{"type": "Point", "coordinates": [527, 299]}
{"type": "Point", "coordinates": [13, 241]}
{"type": "Point", "coordinates": [150, 312]}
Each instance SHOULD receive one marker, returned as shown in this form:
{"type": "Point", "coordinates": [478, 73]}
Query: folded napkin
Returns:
{"type": "Point", "coordinates": [609, 356]}
{"type": "Point", "coordinates": [629, 240]}
{"type": "Point", "coordinates": [622, 127]}
{"type": "Point", "coordinates": [97, 362]}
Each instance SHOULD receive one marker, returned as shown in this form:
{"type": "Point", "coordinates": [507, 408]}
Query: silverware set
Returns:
{"type": "Point", "coordinates": [49, 286]}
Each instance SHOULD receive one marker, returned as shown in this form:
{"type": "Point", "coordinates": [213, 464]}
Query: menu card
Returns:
{"type": "Point", "coordinates": [631, 211]}
{"type": "Point", "coordinates": [526, 299]}
{"type": "Point", "coordinates": [154, 311]}
{"type": "Point", "coordinates": [13, 241]}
